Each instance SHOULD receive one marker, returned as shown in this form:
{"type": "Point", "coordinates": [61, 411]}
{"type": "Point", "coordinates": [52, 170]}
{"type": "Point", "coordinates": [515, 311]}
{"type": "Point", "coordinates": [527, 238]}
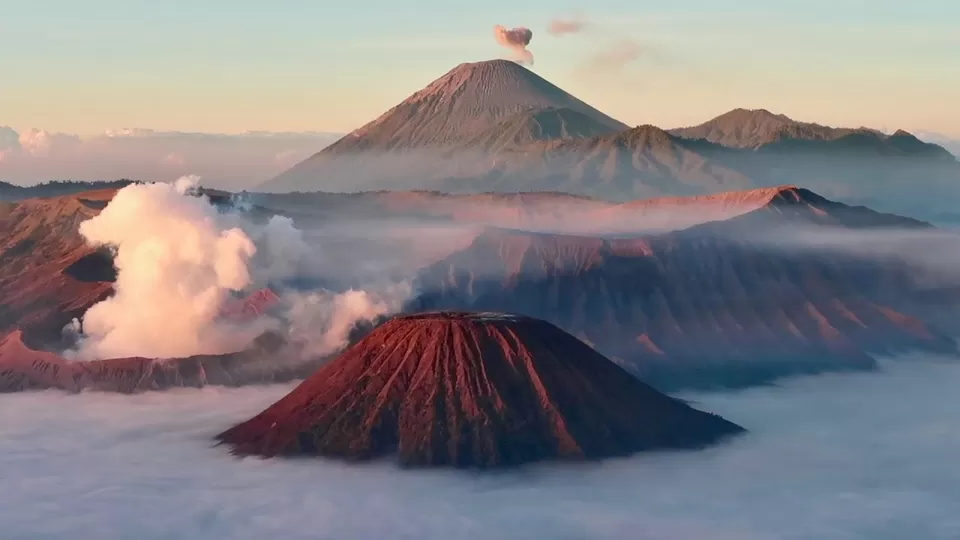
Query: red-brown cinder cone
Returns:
{"type": "Point", "coordinates": [473, 390]}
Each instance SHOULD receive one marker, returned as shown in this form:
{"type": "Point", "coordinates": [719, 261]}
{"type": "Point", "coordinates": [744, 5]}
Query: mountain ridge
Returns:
{"type": "Point", "coordinates": [465, 134]}
{"type": "Point", "coordinates": [755, 129]}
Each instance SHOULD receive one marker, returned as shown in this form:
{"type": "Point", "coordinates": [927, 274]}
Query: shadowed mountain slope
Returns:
{"type": "Point", "coordinates": [538, 125]}
{"type": "Point", "coordinates": [637, 163]}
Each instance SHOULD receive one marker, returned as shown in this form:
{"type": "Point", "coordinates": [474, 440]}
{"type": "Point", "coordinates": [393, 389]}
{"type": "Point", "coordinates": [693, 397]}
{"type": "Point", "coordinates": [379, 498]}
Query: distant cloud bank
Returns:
{"type": "Point", "coordinates": [232, 161]}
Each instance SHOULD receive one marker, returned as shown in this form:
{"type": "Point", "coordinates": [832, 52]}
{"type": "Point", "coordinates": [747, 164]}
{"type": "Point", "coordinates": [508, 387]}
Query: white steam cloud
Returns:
{"type": "Point", "coordinates": [517, 40]}
{"type": "Point", "coordinates": [179, 262]}
{"type": "Point", "coordinates": [281, 248]}
{"type": "Point", "coordinates": [321, 321]}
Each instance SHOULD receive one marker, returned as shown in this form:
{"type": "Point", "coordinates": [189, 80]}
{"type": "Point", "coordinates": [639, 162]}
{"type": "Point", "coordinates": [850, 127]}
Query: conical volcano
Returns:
{"type": "Point", "coordinates": [466, 101]}
{"type": "Point", "coordinates": [466, 111]}
{"type": "Point", "coordinates": [473, 390]}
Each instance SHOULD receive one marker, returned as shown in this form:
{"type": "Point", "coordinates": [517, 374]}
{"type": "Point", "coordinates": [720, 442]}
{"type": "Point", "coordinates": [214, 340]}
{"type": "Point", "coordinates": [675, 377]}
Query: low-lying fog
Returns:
{"type": "Point", "coordinates": [869, 456]}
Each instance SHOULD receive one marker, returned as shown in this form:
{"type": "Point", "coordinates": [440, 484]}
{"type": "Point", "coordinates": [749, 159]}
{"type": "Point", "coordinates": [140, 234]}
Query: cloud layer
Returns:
{"type": "Point", "coordinates": [225, 161]}
{"type": "Point", "coordinates": [831, 457]}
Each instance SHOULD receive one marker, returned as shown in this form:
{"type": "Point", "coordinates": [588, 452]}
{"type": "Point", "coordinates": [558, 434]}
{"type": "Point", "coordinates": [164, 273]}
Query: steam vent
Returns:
{"type": "Point", "coordinates": [473, 390]}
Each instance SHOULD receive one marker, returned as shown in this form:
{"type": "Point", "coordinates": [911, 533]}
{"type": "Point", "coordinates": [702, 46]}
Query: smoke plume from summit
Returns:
{"type": "Point", "coordinates": [517, 40]}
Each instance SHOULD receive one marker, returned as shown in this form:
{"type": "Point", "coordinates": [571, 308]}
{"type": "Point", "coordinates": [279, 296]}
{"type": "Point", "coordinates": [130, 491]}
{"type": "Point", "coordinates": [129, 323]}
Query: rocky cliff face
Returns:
{"type": "Point", "coordinates": [48, 275]}
{"type": "Point", "coordinates": [473, 390]}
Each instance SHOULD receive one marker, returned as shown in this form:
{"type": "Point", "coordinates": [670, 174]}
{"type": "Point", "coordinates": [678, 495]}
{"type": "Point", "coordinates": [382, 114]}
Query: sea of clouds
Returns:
{"type": "Point", "coordinates": [833, 457]}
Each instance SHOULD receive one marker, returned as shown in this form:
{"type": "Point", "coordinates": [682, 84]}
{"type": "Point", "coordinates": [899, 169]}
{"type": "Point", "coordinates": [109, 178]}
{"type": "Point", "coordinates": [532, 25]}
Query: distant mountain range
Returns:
{"type": "Point", "coordinates": [762, 129]}
{"type": "Point", "coordinates": [497, 126]}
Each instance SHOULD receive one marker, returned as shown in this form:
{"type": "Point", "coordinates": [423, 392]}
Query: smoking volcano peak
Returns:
{"type": "Point", "coordinates": [473, 390]}
{"type": "Point", "coordinates": [461, 105]}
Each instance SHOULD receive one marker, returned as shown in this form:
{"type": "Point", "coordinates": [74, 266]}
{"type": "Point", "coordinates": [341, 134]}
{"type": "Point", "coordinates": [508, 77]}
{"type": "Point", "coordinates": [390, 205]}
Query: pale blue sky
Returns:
{"type": "Point", "coordinates": [216, 65]}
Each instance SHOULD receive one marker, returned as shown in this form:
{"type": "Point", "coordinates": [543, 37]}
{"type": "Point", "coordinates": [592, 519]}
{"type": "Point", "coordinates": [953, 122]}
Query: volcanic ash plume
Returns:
{"type": "Point", "coordinates": [177, 261]}
{"type": "Point", "coordinates": [516, 40]}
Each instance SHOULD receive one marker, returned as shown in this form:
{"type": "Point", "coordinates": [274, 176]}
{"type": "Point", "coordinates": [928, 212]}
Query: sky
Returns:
{"type": "Point", "coordinates": [86, 66]}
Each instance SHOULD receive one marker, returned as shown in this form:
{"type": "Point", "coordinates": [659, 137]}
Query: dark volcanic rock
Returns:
{"type": "Point", "coordinates": [473, 390]}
